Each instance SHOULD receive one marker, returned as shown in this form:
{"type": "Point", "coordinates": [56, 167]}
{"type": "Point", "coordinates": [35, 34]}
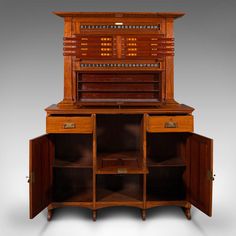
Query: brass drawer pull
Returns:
{"type": "Point", "coordinates": [69, 126]}
{"type": "Point", "coordinates": [171, 124]}
{"type": "Point", "coordinates": [121, 170]}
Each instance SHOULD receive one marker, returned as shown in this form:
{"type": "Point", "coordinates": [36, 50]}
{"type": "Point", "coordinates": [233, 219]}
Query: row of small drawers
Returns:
{"type": "Point", "coordinates": [85, 124]}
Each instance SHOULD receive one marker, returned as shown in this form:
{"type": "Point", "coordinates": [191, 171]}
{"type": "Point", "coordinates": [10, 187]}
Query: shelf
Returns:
{"type": "Point", "coordinates": [72, 185]}
{"type": "Point", "coordinates": [81, 195]}
{"type": "Point", "coordinates": [120, 163]}
{"type": "Point", "coordinates": [118, 82]}
{"type": "Point", "coordinates": [171, 162]}
{"type": "Point", "coordinates": [81, 163]}
{"type": "Point", "coordinates": [105, 195]}
{"type": "Point", "coordinates": [119, 100]}
{"type": "Point", "coordinates": [166, 184]}
{"type": "Point", "coordinates": [118, 91]}
{"type": "Point", "coordinates": [119, 188]}
{"type": "Point", "coordinates": [171, 193]}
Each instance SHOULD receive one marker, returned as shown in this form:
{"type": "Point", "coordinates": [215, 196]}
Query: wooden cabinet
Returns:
{"type": "Point", "coordinates": [118, 138]}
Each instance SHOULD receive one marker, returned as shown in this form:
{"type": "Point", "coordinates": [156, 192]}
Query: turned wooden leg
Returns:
{"type": "Point", "coordinates": [94, 215]}
{"type": "Point", "coordinates": [49, 214]}
{"type": "Point", "coordinates": [187, 212]}
{"type": "Point", "coordinates": [143, 214]}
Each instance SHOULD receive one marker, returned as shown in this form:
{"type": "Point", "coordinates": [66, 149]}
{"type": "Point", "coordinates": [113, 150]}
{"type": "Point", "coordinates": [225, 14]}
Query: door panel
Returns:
{"type": "Point", "coordinates": [201, 168]}
{"type": "Point", "coordinates": [40, 180]}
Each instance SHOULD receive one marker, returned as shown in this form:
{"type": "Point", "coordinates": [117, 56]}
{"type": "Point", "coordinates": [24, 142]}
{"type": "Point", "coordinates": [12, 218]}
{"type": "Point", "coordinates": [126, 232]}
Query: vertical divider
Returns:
{"type": "Point", "coordinates": [94, 160]}
{"type": "Point", "coordinates": [119, 46]}
{"type": "Point", "coordinates": [144, 149]}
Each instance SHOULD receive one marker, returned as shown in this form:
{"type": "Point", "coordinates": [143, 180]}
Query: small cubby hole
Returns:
{"type": "Point", "coordinates": [110, 188]}
{"type": "Point", "coordinates": [73, 150]}
{"type": "Point", "coordinates": [119, 141]}
{"type": "Point", "coordinates": [72, 167]}
{"type": "Point", "coordinates": [72, 185]}
{"type": "Point", "coordinates": [166, 158]}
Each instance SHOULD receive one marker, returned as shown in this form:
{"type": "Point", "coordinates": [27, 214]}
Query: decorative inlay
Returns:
{"type": "Point", "coordinates": [111, 26]}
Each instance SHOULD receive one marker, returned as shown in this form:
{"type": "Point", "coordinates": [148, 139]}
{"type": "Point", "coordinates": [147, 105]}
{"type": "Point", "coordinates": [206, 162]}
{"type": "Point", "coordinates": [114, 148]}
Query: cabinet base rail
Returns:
{"type": "Point", "coordinates": [185, 205]}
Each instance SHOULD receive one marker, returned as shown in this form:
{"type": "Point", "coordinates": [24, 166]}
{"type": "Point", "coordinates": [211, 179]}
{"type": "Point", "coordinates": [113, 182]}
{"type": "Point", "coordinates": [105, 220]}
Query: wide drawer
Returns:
{"type": "Point", "coordinates": [170, 123]}
{"type": "Point", "coordinates": [68, 124]}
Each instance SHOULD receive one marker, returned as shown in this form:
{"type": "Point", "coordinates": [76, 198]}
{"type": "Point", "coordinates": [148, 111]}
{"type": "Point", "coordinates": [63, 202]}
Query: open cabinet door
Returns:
{"type": "Point", "coordinates": [39, 174]}
{"type": "Point", "coordinates": [201, 169]}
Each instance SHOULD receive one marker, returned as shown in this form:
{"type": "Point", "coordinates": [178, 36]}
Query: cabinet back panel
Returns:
{"type": "Point", "coordinates": [119, 188]}
{"type": "Point", "coordinates": [72, 184]}
{"type": "Point", "coordinates": [118, 133]}
{"type": "Point", "coordinates": [73, 147]}
{"type": "Point", "coordinates": [164, 146]}
{"type": "Point", "coordinates": [166, 184]}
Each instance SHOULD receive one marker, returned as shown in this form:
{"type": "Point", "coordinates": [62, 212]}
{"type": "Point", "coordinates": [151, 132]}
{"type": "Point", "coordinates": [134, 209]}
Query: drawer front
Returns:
{"type": "Point", "coordinates": [170, 124]}
{"type": "Point", "coordinates": [82, 125]}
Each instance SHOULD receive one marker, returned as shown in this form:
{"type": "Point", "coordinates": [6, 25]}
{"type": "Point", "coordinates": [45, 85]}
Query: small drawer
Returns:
{"type": "Point", "coordinates": [66, 124]}
{"type": "Point", "coordinates": [170, 123]}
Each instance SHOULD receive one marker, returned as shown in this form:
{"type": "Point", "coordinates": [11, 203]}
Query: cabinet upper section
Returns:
{"type": "Point", "coordinates": [118, 58]}
{"type": "Point", "coordinates": [121, 39]}
{"type": "Point", "coordinates": [114, 36]}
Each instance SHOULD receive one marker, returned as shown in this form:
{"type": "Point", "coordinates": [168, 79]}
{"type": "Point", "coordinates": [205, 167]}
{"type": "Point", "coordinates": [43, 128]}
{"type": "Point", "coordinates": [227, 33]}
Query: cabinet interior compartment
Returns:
{"type": "Point", "coordinates": [122, 188]}
{"type": "Point", "coordinates": [166, 184]}
{"type": "Point", "coordinates": [118, 87]}
{"type": "Point", "coordinates": [166, 149]}
{"type": "Point", "coordinates": [166, 158]}
{"type": "Point", "coordinates": [72, 185]}
{"type": "Point", "coordinates": [73, 150]}
{"type": "Point", "coordinates": [119, 142]}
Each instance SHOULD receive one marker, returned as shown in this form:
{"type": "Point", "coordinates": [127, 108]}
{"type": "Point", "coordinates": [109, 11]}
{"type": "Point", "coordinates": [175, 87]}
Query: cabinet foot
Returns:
{"type": "Point", "coordinates": [50, 212]}
{"type": "Point", "coordinates": [143, 214]}
{"type": "Point", "coordinates": [94, 215]}
{"type": "Point", "coordinates": [187, 212]}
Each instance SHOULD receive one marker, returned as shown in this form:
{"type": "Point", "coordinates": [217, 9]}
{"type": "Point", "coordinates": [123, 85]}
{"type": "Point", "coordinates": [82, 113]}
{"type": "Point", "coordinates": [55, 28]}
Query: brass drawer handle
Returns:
{"type": "Point", "coordinates": [122, 171]}
{"type": "Point", "coordinates": [69, 126]}
{"type": "Point", "coordinates": [171, 124]}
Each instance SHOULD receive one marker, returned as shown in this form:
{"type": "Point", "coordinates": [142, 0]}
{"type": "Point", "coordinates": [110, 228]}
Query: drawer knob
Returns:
{"type": "Point", "coordinates": [170, 124]}
{"type": "Point", "coordinates": [69, 126]}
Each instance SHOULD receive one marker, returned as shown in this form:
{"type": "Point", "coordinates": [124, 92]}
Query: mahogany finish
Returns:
{"type": "Point", "coordinates": [118, 137]}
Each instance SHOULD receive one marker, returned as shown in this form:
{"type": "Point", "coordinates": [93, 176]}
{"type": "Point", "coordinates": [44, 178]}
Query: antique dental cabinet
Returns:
{"type": "Point", "coordinates": [118, 137]}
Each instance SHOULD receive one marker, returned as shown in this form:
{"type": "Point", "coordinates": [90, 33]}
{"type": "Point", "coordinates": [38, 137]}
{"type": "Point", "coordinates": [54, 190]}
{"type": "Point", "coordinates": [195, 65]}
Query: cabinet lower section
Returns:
{"type": "Point", "coordinates": [120, 160]}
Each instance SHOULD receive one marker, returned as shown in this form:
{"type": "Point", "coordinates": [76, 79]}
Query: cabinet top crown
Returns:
{"type": "Point", "coordinates": [121, 14]}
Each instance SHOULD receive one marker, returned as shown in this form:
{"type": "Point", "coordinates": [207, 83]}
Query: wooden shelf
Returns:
{"type": "Point", "coordinates": [118, 82]}
{"type": "Point", "coordinates": [118, 91]}
{"type": "Point", "coordinates": [81, 195]}
{"type": "Point", "coordinates": [165, 194]}
{"type": "Point", "coordinates": [171, 162]}
{"type": "Point", "coordinates": [119, 188]}
{"type": "Point", "coordinates": [83, 162]}
{"type": "Point", "coordinates": [106, 101]}
{"type": "Point", "coordinates": [105, 195]}
{"type": "Point", "coordinates": [120, 163]}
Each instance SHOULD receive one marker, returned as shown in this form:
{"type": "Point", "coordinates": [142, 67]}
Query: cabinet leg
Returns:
{"type": "Point", "coordinates": [94, 215]}
{"type": "Point", "coordinates": [187, 212]}
{"type": "Point", "coordinates": [50, 212]}
{"type": "Point", "coordinates": [143, 214]}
